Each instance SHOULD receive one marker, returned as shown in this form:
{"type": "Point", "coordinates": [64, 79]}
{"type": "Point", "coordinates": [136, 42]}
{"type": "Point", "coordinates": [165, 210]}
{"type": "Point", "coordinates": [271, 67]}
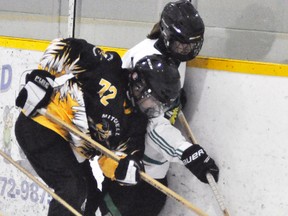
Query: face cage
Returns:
{"type": "Point", "coordinates": [146, 102]}
{"type": "Point", "coordinates": [151, 106]}
{"type": "Point", "coordinates": [186, 51]}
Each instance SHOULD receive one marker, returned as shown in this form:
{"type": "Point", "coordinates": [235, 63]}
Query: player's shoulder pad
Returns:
{"type": "Point", "coordinates": [112, 56]}
{"type": "Point", "coordinates": [114, 60]}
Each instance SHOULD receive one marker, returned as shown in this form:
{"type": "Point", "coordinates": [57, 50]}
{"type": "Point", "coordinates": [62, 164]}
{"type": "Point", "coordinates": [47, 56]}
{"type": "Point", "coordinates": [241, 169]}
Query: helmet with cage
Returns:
{"type": "Point", "coordinates": [182, 29]}
{"type": "Point", "coordinates": [155, 84]}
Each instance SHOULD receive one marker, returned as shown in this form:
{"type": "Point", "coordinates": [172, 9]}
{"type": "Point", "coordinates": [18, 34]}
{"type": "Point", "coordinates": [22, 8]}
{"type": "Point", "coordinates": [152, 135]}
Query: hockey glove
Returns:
{"type": "Point", "coordinates": [199, 163]}
{"type": "Point", "coordinates": [127, 171]}
{"type": "Point", "coordinates": [173, 111]}
{"type": "Point", "coordinates": [36, 93]}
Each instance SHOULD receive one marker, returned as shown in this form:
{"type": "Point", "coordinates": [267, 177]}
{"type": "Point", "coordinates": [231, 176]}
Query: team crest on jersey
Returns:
{"type": "Point", "coordinates": [102, 131]}
{"type": "Point", "coordinates": [114, 122]}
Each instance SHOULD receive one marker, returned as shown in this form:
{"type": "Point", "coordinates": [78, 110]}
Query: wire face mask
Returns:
{"type": "Point", "coordinates": [145, 100]}
{"type": "Point", "coordinates": [151, 106]}
{"type": "Point", "coordinates": [186, 51]}
{"type": "Point", "coordinates": [154, 84]}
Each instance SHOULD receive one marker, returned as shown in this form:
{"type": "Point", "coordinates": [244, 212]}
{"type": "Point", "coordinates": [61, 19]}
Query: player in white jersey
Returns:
{"type": "Point", "coordinates": [146, 47]}
{"type": "Point", "coordinates": [164, 144]}
{"type": "Point", "coordinates": [179, 34]}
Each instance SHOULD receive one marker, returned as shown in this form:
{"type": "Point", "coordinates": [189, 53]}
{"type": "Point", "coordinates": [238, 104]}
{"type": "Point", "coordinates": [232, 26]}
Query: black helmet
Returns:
{"type": "Point", "coordinates": [155, 77]}
{"type": "Point", "coordinates": [182, 30]}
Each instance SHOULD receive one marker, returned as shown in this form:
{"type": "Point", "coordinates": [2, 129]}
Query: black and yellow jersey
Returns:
{"type": "Point", "coordinates": [68, 105]}
{"type": "Point", "coordinates": [95, 101]}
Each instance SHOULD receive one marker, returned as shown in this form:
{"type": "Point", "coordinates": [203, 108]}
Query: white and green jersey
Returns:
{"type": "Point", "coordinates": [163, 144]}
{"type": "Point", "coordinates": [142, 49]}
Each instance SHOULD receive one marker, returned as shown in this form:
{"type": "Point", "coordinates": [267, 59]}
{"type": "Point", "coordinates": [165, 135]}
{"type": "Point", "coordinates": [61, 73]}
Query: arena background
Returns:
{"type": "Point", "coordinates": [237, 95]}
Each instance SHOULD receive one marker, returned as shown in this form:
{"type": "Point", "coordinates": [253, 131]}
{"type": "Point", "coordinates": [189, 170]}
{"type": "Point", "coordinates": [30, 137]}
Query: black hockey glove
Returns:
{"type": "Point", "coordinates": [127, 171]}
{"type": "Point", "coordinates": [36, 93]}
{"type": "Point", "coordinates": [173, 111]}
{"type": "Point", "coordinates": [199, 163]}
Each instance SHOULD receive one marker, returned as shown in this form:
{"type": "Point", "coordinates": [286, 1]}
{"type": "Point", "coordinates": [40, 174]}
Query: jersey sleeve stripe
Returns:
{"type": "Point", "coordinates": [152, 161]}
{"type": "Point", "coordinates": [162, 143]}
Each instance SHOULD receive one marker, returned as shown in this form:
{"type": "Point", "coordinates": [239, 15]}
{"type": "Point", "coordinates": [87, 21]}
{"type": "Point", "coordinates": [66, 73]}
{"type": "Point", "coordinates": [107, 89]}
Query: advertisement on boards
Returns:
{"type": "Point", "coordinates": [19, 195]}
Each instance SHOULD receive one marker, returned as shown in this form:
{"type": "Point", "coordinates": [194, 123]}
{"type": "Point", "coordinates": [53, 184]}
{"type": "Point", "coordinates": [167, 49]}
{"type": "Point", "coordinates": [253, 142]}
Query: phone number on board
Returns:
{"type": "Point", "coordinates": [25, 191]}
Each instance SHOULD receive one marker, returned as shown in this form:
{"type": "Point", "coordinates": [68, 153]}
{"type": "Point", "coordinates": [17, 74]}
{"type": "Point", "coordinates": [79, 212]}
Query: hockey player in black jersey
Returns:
{"type": "Point", "coordinates": [94, 100]}
{"type": "Point", "coordinates": [154, 86]}
{"type": "Point", "coordinates": [164, 143]}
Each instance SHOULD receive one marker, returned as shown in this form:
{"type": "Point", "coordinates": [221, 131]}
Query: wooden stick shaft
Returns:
{"type": "Point", "coordinates": [187, 128]}
{"type": "Point", "coordinates": [209, 177]}
{"type": "Point", "coordinates": [111, 154]}
{"type": "Point", "coordinates": [77, 132]}
{"type": "Point", "coordinates": [217, 195]}
{"type": "Point", "coordinates": [171, 193]}
{"type": "Point", "coordinates": [48, 190]}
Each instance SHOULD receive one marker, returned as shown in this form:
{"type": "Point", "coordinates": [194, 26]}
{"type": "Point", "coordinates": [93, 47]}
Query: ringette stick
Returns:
{"type": "Point", "coordinates": [111, 154]}
{"type": "Point", "coordinates": [219, 198]}
{"type": "Point", "coordinates": [48, 190]}
{"type": "Point", "coordinates": [187, 128]}
{"type": "Point", "coordinates": [209, 177]}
